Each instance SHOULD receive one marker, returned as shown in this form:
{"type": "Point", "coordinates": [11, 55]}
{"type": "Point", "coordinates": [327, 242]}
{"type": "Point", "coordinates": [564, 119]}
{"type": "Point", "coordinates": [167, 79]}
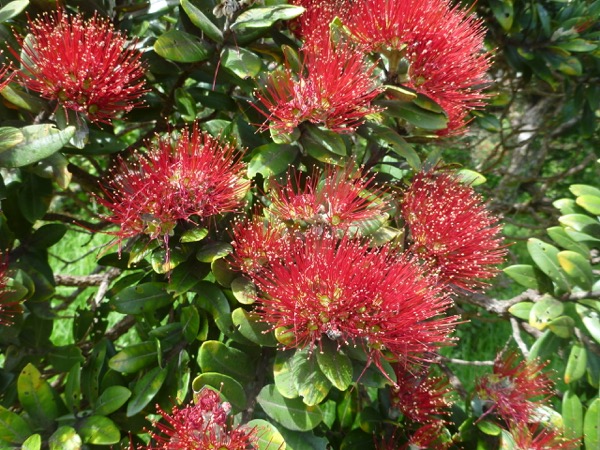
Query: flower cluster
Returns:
{"type": "Point", "coordinates": [192, 178]}
{"type": "Point", "coordinates": [533, 437]}
{"type": "Point", "coordinates": [201, 426]}
{"type": "Point", "coordinates": [5, 77]}
{"type": "Point", "coordinates": [451, 230]}
{"type": "Point", "coordinates": [85, 65]}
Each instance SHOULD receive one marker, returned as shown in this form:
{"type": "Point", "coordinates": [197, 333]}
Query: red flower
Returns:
{"type": "Point", "coordinates": [334, 87]}
{"type": "Point", "coordinates": [514, 389]}
{"type": "Point", "coordinates": [442, 44]}
{"type": "Point", "coordinates": [340, 200]}
{"type": "Point", "coordinates": [191, 179]}
{"type": "Point", "coordinates": [433, 435]}
{"type": "Point", "coordinates": [85, 65]}
{"type": "Point", "coordinates": [419, 396]}
{"type": "Point", "coordinates": [201, 426]}
{"type": "Point", "coordinates": [532, 437]}
{"type": "Point", "coordinates": [4, 80]}
{"type": "Point", "coordinates": [451, 229]}
{"type": "Point", "coordinates": [258, 244]}
{"type": "Point", "coordinates": [344, 290]}
{"type": "Point", "coordinates": [8, 307]}
{"type": "Point", "coordinates": [313, 24]}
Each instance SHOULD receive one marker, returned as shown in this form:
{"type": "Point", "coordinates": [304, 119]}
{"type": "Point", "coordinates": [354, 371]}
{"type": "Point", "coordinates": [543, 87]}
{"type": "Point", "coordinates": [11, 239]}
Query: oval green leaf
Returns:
{"type": "Point", "coordinates": [545, 256]}
{"type": "Point", "coordinates": [544, 311]}
{"type": "Point", "coordinates": [99, 430]}
{"type": "Point", "coordinates": [134, 357]}
{"type": "Point", "coordinates": [40, 141]}
{"type": "Point", "coordinates": [145, 390]}
{"type": "Point", "coordinates": [13, 428]}
{"type": "Point", "coordinates": [265, 17]}
{"type": "Point", "coordinates": [36, 396]}
{"type": "Point", "coordinates": [268, 437]}
{"type": "Point", "coordinates": [577, 268]}
{"type": "Point", "coordinates": [523, 274]}
{"type": "Point", "coordinates": [199, 19]}
{"type": "Point", "coordinates": [214, 356]}
{"type": "Point", "coordinates": [227, 386]}
{"type": "Point", "coordinates": [180, 46]}
{"type": "Point", "coordinates": [241, 62]}
{"type": "Point", "coordinates": [271, 159]}
{"type": "Point", "coordinates": [291, 413]}
{"type": "Point", "coordinates": [591, 425]}
{"type": "Point", "coordinates": [572, 413]}
{"type": "Point", "coordinates": [576, 363]}
{"type": "Point", "coordinates": [65, 438]}
{"type": "Point", "coordinates": [111, 399]}
{"type": "Point", "coordinates": [335, 364]}
{"type": "Point", "coordinates": [250, 326]}
{"type": "Point", "coordinates": [522, 310]}
{"type": "Point", "coordinates": [143, 298]}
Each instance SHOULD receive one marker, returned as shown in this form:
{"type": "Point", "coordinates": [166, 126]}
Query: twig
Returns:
{"type": "Point", "coordinates": [464, 362]}
{"type": "Point", "coordinates": [516, 334]}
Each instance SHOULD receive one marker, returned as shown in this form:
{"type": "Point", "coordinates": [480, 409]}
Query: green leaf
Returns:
{"type": "Point", "coordinates": [111, 399]}
{"type": "Point", "coordinates": [271, 159]}
{"type": "Point", "coordinates": [64, 357]}
{"type": "Point", "coordinates": [576, 363]}
{"type": "Point", "coordinates": [267, 436]}
{"type": "Point", "coordinates": [193, 10]}
{"type": "Point", "coordinates": [323, 138]}
{"type": "Point", "coordinates": [65, 438]}
{"type": "Point", "coordinates": [544, 311]}
{"type": "Point", "coordinates": [99, 430]}
{"type": "Point", "coordinates": [134, 357]}
{"type": "Point", "coordinates": [214, 356]}
{"type": "Point", "coordinates": [265, 17]}
{"type": "Point", "coordinates": [47, 235]}
{"type": "Point", "coordinates": [544, 346]}
{"type": "Point", "coordinates": [470, 177]}
{"type": "Point", "coordinates": [385, 135]}
{"type": "Point", "coordinates": [34, 197]}
{"type": "Point", "coordinates": [577, 267]}
{"type": "Point", "coordinates": [33, 442]}
{"type": "Point", "coordinates": [227, 386]}
{"type": "Point", "coordinates": [489, 428]}
{"type": "Point", "coordinates": [335, 364]}
{"type": "Point", "coordinates": [13, 9]}
{"type": "Point", "coordinates": [523, 274]}
{"type": "Point", "coordinates": [180, 46]}
{"type": "Point", "coordinates": [40, 141]}
{"type": "Point", "coordinates": [572, 413]}
{"type": "Point", "coordinates": [583, 189]}
{"type": "Point", "coordinates": [581, 223]}
{"type": "Point", "coordinates": [522, 310]}
{"type": "Point", "coordinates": [590, 319]}
{"type": "Point", "coordinates": [545, 256]}
{"type": "Point", "coordinates": [190, 319]}
{"type": "Point", "coordinates": [591, 425]}
{"type": "Point", "coordinates": [141, 299]}
{"type": "Point", "coordinates": [36, 396]}
{"type": "Point", "coordinates": [145, 390]}
{"type": "Point", "coordinates": [291, 413]}
{"type": "Point", "coordinates": [558, 235]}
{"type": "Point", "coordinates": [241, 62]}
{"type": "Point", "coordinates": [193, 235]}
{"type": "Point", "coordinates": [10, 137]}
{"type": "Point", "coordinates": [13, 428]}
{"type": "Point", "coordinates": [590, 203]}
{"type": "Point", "coordinates": [503, 12]}
{"type": "Point", "coordinates": [253, 329]}
{"type": "Point", "coordinates": [243, 290]}
{"type": "Point", "coordinates": [562, 326]}
{"type": "Point", "coordinates": [212, 251]}
{"type": "Point", "coordinates": [312, 385]}
{"type": "Point", "coordinates": [414, 114]}
{"type": "Point", "coordinates": [577, 45]}
{"type": "Point", "coordinates": [282, 374]}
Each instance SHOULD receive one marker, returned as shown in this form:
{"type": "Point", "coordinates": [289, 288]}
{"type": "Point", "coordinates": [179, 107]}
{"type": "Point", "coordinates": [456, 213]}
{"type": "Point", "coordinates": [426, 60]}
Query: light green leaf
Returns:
{"type": "Point", "coordinates": [572, 413]}
{"type": "Point", "coordinates": [36, 396]}
{"type": "Point", "coordinates": [240, 61]}
{"type": "Point", "coordinates": [145, 390]}
{"type": "Point", "coordinates": [576, 363]}
{"type": "Point", "coordinates": [40, 141]}
{"type": "Point", "coordinates": [180, 46]}
{"type": "Point", "coordinates": [591, 425]}
{"type": "Point", "coordinates": [65, 438]}
{"type": "Point", "coordinates": [111, 399]}
{"type": "Point", "coordinates": [214, 356]}
{"type": "Point", "coordinates": [545, 256]}
{"type": "Point", "coordinates": [271, 159]}
{"type": "Point", "coordinates": [193, 10]}
{"type": "Point", "coordinates": [268, 437]}
{"type": "Point", "coordinates": [252, 328]}
{"type": "Point", "coordinates": [13, 9]}
{"type": "Point", "coordinates": [134, 357]}
{"type": "Point", "coordinates": [335, 364]}
{"type": "Point", "coordinates": [143, 298]}
{"type": "Point", "coordinates": [99, 430]}
{"type": "Point", "coordinates": [265, 17]}
{"type": "Point", "coordinates": [13, 428]}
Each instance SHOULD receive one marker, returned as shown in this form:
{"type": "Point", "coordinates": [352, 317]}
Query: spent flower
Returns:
{"type": "Point", "coordinates": [189, 178]}
{"type": "Point", "coordinates": [85, 65]}
{"type": "Point", "coordinates": [451, 230]}
{"type": "Point", "coordinates": [514, 390]}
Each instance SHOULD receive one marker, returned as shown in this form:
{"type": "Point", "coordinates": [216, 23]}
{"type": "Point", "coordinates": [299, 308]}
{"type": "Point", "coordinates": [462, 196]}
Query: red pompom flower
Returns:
{"type": "Point", "coordinates": [334, 88]}
{"type": "Point", "coordinates": [8, 307]}
{"type": "Point", "coordinates": [84, 65]}
{"type": "Point", "coordinates": [534, 437]}
{"type": "Point", "coordinates": [441, 44]}
{"type": "Point", "coordinates": [344, 290]}
{"type": "Point", "coordinates": [201, 426]}
{"type": "Point", "coordinates": [189, 178]}
{"type": "Point", "coordinates": [514, 389]}
{"type": "Point", "coordinates": [451, 230]}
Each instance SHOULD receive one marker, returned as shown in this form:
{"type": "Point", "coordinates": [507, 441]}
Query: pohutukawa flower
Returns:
{"type": "Point", "coordinates": [313, 24]}
{"type": "Point", "coordinates": [342, 199]}
{"type": "Point", "coordinates": [534, 437]}
{"type": "Point", "coordinates": [4, 79]}
{"type": "Point", "coordinates": [334, 88]}
{"type": "Point", "coordinates": [201, 426]}
{"type": "Point", "coordinates": [514, 389]}
{"type": "Point", "coordinates": [85, 65]}
{"type": "Point", "coordinates": [421, 397]}
{"type": "Point", "coordinates": [432, 435]}
{"type": "Point", "coordinates": [343, 290]}
{"type": "Point", "coordinates": [190, 178]}
{"type": "Point", "coordinates": [441, 44]}
{"type": "Point", "coordinates": [258, 243]}
{"type": "Point", "coordinates": [451, 229]}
